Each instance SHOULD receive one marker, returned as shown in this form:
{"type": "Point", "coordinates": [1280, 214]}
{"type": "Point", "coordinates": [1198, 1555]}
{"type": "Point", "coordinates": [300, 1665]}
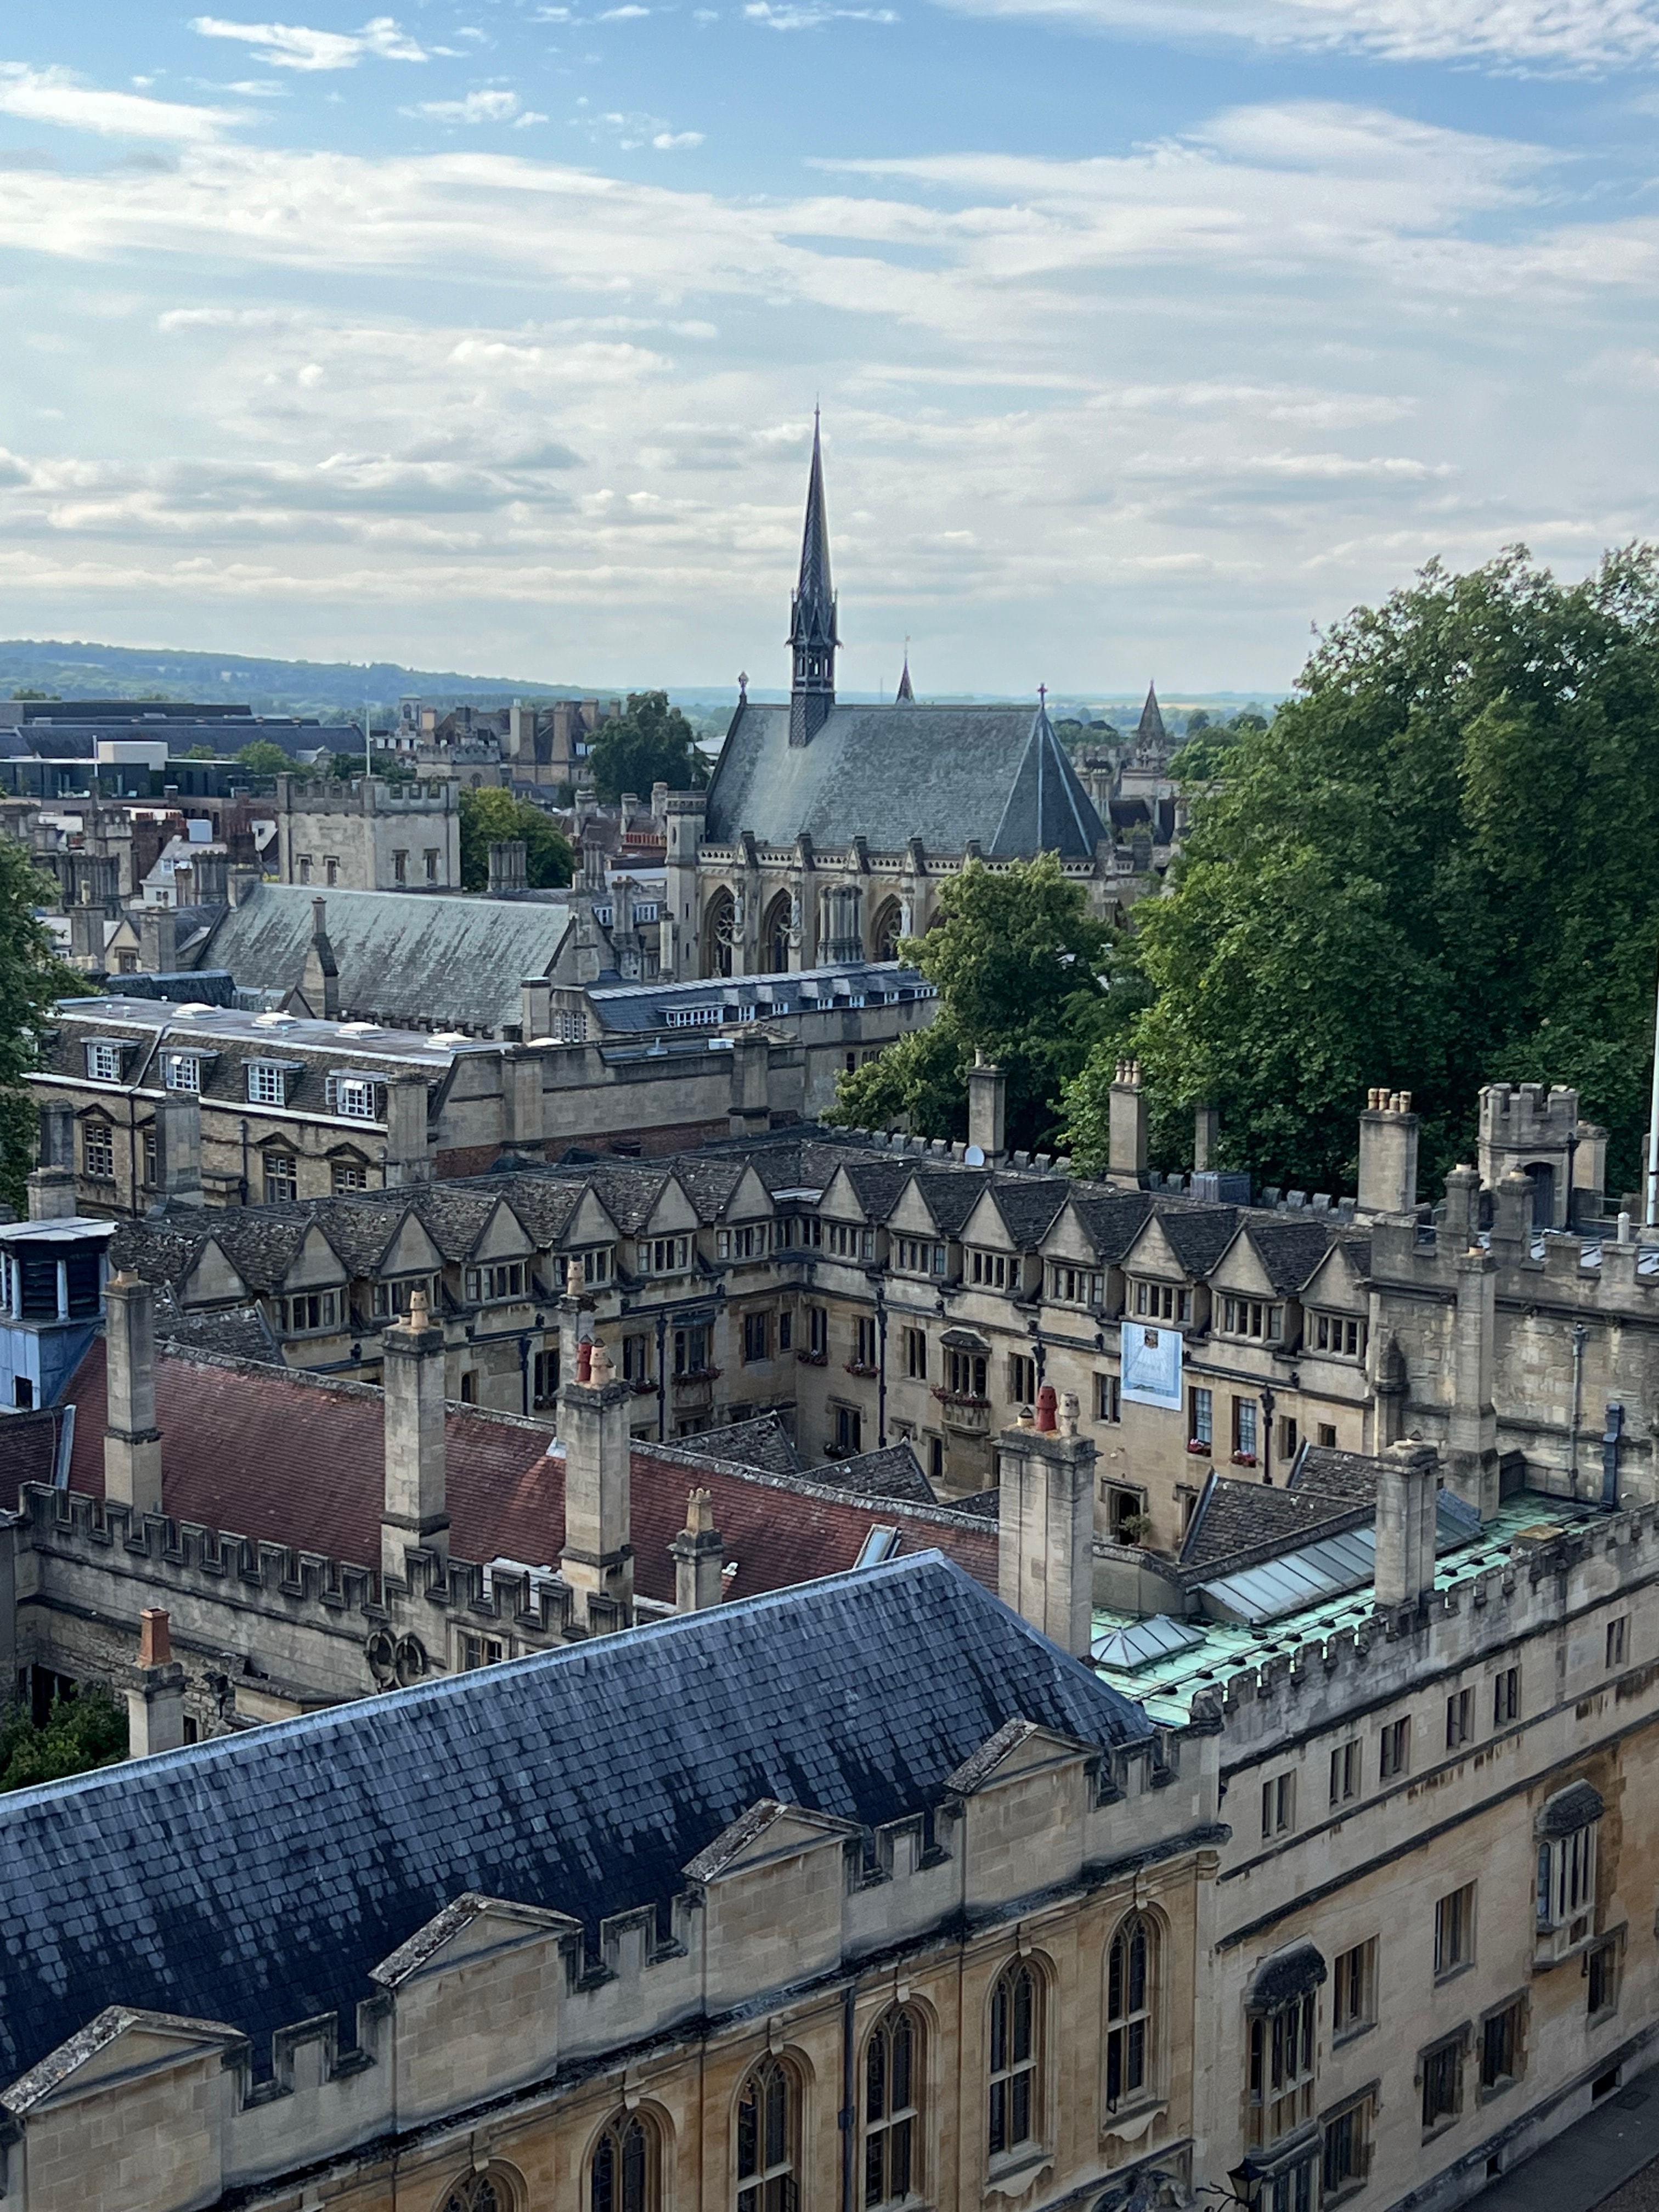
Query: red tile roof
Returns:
{"type": "Point", "coordinates": [295, 1459]}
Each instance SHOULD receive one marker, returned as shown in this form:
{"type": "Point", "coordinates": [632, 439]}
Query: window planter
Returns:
{"type": "Point", "coordinates": [813, 1358]}
{"type": "Point", "coordinates": [1198, 1449]}
{"type": "Point", "coordinates": [858, 1367]}
{"type": "Point", "coordinates": [1243, 1459]}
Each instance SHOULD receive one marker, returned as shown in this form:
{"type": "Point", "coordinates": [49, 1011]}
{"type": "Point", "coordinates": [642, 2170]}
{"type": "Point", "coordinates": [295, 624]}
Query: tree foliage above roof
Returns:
{"type": "Point", "coordinates": [1433, 871]}
{"type": "Point", "coordinates": [651, 743]}
{"type": "Point", "coordinates": [32, 976]}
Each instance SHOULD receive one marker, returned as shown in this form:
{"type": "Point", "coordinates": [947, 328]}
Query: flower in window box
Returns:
{"type": "Point", "coordinates": [1243, 1459]}
{"type": "Point", "coordinates": [1198, 1449]}
{"type": "Point", "coordinates": [813, 1358]}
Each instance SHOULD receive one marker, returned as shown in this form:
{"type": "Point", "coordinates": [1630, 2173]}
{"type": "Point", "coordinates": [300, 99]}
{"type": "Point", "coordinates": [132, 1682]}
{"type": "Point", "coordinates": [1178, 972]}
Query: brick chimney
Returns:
{"type": "Point", "coordinates": [988, 1108]}
{"type": "Point", "coordinates": [415, 1512]}
{"type": "Point", "coordinates": [132, 1443]}
{"type": "Point", "coordinates": [1046, 1479]}
{"type": "Point", "coordinates": [1408, 1484]}
{"type": "Point", "coordinates": [155, 1690]}
{"type": "Point", "coordinates": [598, 1559]}
{"type": "Point", "coordinates": [1128, 1152]}
{"type": "Point", "coordinates": [699, 1556]}
{"type": "Point", "coordinates": [1388, 1153]}
{"type": "Point", "coordinates": [319, 979]}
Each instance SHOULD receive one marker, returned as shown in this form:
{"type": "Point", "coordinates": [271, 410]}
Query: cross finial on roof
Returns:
{"type": "Point", "coordinates": [1042, 696]}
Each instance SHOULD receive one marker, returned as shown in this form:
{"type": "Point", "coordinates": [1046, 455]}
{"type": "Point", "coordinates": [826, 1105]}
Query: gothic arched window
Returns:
{"type": "Point", "coordinates": [480, 2192]}
{"type": "Point", "coordinates": [1131, 1969]}
{"type": "Point", "coordinates": [1015, 2102]}
{"type": "Point", "coordinates": [769, 2140]}
{"type": "Point", "coordinates": [625, 2166]}
{"type": "Point", "coordinates": [892, 2109]}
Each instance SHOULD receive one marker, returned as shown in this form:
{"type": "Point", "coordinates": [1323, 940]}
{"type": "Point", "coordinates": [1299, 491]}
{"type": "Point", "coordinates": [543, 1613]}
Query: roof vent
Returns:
{"type": "Point", "coordinates": [360, 1029]}
{"type": "Point", "coordinates": [448, 1039]}
{"type": "Point", "coordinates": [275, 1021]}
{"type": "Point", "coordinates": [190, 1011]}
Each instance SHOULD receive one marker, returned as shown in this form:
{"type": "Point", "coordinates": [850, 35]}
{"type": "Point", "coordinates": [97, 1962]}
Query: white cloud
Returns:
{"type": "Point", "coordinates": [295, 47]}
{"type": "Point", "coordinates": [671, 142]}
{"type": "Point", "coordinates": [1542, 35]}
{"type": "Point", "coordinates": [807, 15]}
{"type": "Point", "coordinates": [477, 108]}
{"type": "Point", "coordinates": [54, 96]}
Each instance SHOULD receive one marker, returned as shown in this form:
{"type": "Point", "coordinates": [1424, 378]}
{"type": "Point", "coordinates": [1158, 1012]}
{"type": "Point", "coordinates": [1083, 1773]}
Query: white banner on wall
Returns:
{"type": "Point", "coordinates": [1152, 1365]}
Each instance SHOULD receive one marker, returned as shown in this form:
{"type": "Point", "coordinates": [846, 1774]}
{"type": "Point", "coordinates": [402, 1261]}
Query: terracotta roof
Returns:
{"type": "Point", "coordinates": [295, 1459]}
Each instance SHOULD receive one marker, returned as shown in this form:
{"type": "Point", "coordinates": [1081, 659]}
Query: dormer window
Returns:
{"type": "Point", "coordinates": [1163, 1302]}
{"type": "Point", "coordinates": [269, 1081]}
{"type": "Point", "coordinates": [1337, 1334]}
{"type": "Point", "coordinates": [103, 1060]}
{"type": "Point", "coordinates": [752, 1242]}
{"type": "Point", "coordinates": [918, 1255]}
{"type": "Point", "coordinates": [182, 1071]}
{"type": "Point", "coordinates": [845, 1241]}
{"type": "Point", "coordinates": [991, 1271]}
{"type": "Point", "coordinates": [494, 1286]}
{"type": "Point", "coordinates": [352, 1096]}
{"type": "Point", "coordinates": [1074, 1286]}
{"type": "Point", "coordinates": [1252, 1317]}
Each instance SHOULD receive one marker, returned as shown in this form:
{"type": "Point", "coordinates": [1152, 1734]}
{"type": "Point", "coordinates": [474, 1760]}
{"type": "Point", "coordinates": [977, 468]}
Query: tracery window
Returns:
{"type": "Point", "coordinates": [1131, 1968]}
{"type": "Point", "coordinates": [479, 2193]}
{"type": "Point", "coordinates": [769, 2140]}
{"type": "Point", "coordinates": [892, 2098]}
{"type": "Point", "coordinates": [1015, 2105]}
{"type": "Point", "coordinates": [624, 2177]}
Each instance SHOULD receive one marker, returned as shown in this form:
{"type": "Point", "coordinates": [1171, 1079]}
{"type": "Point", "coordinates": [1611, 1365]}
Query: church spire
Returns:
{"type": "Point", "coordinates": [812, 636]}
{"type": "Point", "coordinates": [907, 696]}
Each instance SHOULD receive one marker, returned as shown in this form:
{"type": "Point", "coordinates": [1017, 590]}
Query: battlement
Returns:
{"type": "Point", "coordinates": [1540, 1586]}
{"type": "Point", "coordinates": [1525, 1115]}
{"type": "Point", "coordinates": [370, 795]}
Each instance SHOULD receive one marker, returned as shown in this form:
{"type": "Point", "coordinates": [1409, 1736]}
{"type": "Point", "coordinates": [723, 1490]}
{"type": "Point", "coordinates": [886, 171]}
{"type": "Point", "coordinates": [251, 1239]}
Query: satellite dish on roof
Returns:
{"type": "Point", "coordinates": [974, 1156]}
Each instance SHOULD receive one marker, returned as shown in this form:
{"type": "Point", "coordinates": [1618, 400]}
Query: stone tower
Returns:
{"type": "Point", "coordinates": [812, 638]}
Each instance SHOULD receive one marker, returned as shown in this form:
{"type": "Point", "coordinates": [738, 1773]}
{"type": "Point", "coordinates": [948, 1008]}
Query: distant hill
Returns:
{"type": "Point", "coordinates": [333, 690]}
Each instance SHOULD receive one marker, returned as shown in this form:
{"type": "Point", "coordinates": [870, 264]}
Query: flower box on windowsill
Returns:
{"type": "Point", "coordinates": [698, 1374]}
{"type": "Point", "coordinates": [643, 1386]}
{"type": "Point", "coordinates": [1243, 1459]}
{"type": "Point", "coordinates": [813, 1358]}
{"type": "Point", "coordinates": [1198, 1449]}
{"type": "Point", "coordinates": [858, 1367]}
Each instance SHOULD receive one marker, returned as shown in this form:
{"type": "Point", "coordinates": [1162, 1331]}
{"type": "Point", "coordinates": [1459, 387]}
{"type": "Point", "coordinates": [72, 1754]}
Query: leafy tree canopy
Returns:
{"type": "Point", "coordinates": [266, 758]}
{"type": "Point", "coordinates": [492, 817]}
{"type": "Point", "coordinates": [1025, 975]}
{"type": "Point", "coordinates": [81, 1733]}
{"type": "Point", "coordinates": [27, 693]}
{"type": "Point", "coordinates": [1433, 870]}
{"type": "Point", "coordinates": [200, 752]}
{"type": "Point", "coordinates": [32, 976]}
{"type": "Point", "coordinates": [651, 743]}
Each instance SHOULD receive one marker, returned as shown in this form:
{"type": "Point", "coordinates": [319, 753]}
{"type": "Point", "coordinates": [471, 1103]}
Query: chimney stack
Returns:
{"type": "Point", "coordinates": [1127, 1150]}
{"type": "Point", "coordinates": [1406, 1487]}
{"type": "Point", "coordinates": [535, 1008]}
{"type": "Point", "coordinates": [750, 1111]}
{"type": "Point", "coordinates": [158, 941]}
{"type": "Point", "coordinates": [1388, 1153]}
{"type": "Point", "coordinates": [51, 1184]}
{"type": "Point", "coordinates": [1046, 1565]}
{"type": "Point", "coordinates": [987, 1108]}
{"type": "Point", "coordinates": [507, 867]}
{"type": "Point", "coordinates": [598, 1559]}
{"type": "Point", "coordinates": [408, 1141]}
{"type": "Point", "coordinates": [699, 1556]}
{"type": "Point", "coordinates": [414, 1511]}
{"type": "Point", "coordinates": [179, 1149]}
{"type": "Point", "coordinates": [132, 1443]}
{"type": "Point", "coordinates": [155, 1690]}
{"type": "Point", "coordinates": [1206, 1137]}
{"type": "Point", "coordinates": [1472, 1431]}
{"type": "Point", "coordinates": [319, 980]}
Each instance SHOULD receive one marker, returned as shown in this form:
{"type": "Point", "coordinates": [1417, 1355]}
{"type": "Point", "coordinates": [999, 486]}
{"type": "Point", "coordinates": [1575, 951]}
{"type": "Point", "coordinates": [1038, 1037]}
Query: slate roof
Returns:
{"type": "Point", "coordinates": [1113, 1221]}
{"type": "Point", "coordinates": [296, 1459]}
{"type": "Point", "coordinates": [257, 1879]}
{"type": "Point", "coordinates": [763, 1443]}
{"type": "Point", "coordinates": [894, 1473]}
{"type": "Point", "coordinates": [1198, 1235]}
{"type": "Point", "coordinates": [948, 775]}
{"type": "Point", "coordinates": [1239, 1516]}
{"type": "Point", "coordinates": [1289, 1250]}
{"type": "Point", "coordinates": [403, 957]}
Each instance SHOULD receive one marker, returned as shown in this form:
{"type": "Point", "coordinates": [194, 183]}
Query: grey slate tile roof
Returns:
{"type": "Point", "coordinates": [950, 776]}
{"type": "Point", "coordinates": [257, 1879]}
{"type": "Point", "coordinates": [1240, 1517]}
{"type": "Point", "coordinates": [1113, 1219]}
{"type": "Point", "coordinates": [1198, 1235]}
{"type": "Point", "coordinates": [442, 961]}
{"type": "Point", "coordinates": [1289, 1250]}
{"type": "Point", "coordinates": [1029, 1207]}
{"type": "Point", "coordinates": [893, 1472]}
{"type": "Point", "coordinates": [763, 1443]}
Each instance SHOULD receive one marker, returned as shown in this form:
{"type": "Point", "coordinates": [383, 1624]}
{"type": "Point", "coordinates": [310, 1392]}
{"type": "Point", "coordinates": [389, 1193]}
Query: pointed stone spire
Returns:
{"type": "Point", "coordinates": [812, 635]}
{"type": "Point", "coordinates": [1152, 737]}
{"type": "Point", "coordinates": [906, 697]}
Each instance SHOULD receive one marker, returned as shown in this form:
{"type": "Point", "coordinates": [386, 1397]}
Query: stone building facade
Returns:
{"type": "Point", "coordinates": [371, 834]}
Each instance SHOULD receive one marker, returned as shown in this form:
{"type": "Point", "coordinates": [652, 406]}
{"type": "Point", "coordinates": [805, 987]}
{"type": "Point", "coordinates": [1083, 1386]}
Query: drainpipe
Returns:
{"type": "Point", "coordinates": [849, 2113]}
{"type": "Point", "coordinates": [524, 1374]}
{"type": "Point", "coordinates": [662, 1374]}
{"type": "Point", "coordinates": [1614, 1430]}
{"type": "Point", "coordinates": [1269, 1401]}
{"type": "Point", "coordinates": [1580, 1337]}
{"type": "Point", "coordinates": [881, 1369]}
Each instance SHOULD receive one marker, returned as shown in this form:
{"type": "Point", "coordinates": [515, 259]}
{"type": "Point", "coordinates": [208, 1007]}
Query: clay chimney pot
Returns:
{"type": "Point", "coordinates": [154, 1638]}
{"type": "Point", "coordinates": [1046, 1401]}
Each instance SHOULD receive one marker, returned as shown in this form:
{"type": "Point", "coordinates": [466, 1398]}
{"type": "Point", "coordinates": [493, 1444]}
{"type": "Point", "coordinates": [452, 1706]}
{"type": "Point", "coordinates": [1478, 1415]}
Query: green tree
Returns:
{"type": "Point", "coordinates": [1433, 870]}
{"type": "Point", "coordinates": [81, 1733]}
{"type": "Point", "coordinates": [1025, 975]}
{"type": "Point", "coordinates": [200, 752]}
{"type": "Point", "coordinates": [266, 758]}
{"type": "Point", "coordinates": [32, 976]}
{"type": "Point", "coordinates": [651, 743]}
{"type": "Point", "coordinates": [27, 693]}
{"type": "Point", "coordinates": [491, 817]}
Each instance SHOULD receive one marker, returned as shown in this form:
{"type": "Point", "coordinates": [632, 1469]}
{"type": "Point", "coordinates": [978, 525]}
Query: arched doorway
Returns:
{"type": "Point", "coordinates": [887, 930]}
{"type": "Point", "coordinates": [1541, 1176]}
{"type": "Point", "coordinates": [775, 935]}
{"type": "Point", "coordinates": [719, 921]}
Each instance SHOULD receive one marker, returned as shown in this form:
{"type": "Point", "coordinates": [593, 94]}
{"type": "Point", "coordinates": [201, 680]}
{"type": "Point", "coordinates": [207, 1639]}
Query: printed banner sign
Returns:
{"type": "Point", "coordinates": [1152, 1365]}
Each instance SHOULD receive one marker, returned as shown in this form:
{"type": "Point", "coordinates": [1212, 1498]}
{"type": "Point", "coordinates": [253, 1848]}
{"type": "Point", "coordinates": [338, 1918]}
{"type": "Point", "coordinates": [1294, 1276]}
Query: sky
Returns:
{"type": "Point", "coordinates": [1149, 336]}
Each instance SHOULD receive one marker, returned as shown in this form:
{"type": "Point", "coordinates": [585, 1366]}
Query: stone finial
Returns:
{"type": "Point", "coordinates": [154, 1638]}
{"type": "Point", "coordinates": [1070, 1412]}
{"type": "Point", "coordinates": [600, 1370]}
{"type": "Point", "coordinates": [420, 1314]}
{"type": "Point", "coordinates": [1046, 1401]}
